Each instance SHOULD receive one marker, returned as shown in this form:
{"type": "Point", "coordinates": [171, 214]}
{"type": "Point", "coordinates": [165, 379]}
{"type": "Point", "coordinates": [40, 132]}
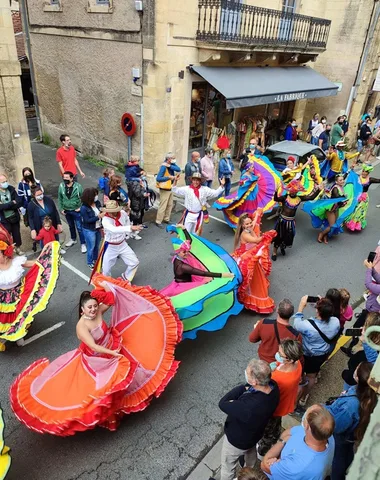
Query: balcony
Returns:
{"type": "Point", "coordinates": [228, 24]}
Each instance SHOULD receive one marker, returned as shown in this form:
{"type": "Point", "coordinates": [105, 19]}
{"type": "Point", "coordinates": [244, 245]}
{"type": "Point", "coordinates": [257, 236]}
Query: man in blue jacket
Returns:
{"type": "Point", "coordinates": [164, 181]}
{"type": "Point", "coordinates": [193, 166]}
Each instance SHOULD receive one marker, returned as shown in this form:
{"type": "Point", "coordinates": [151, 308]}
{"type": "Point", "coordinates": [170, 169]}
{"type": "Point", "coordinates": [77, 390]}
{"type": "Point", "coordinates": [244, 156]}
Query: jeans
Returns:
{"type": "Point", "coordinates": [314, 140]}
{"type": "Point", "coordinates": [92, 238]}
{"type": "Point", "coordinates": [343, 456]}
{"type": "Point", "coordinates": [74, 220]}
{"type": "Point", "coordinates": [227, 187]}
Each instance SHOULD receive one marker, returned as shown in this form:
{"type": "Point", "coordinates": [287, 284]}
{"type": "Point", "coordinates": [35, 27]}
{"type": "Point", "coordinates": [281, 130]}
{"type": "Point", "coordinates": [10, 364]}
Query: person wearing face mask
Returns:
{"type": "Point", "coordinates": [92, 223]}
{"type": "Point", "coordinates": [249, 407]}
{"type": "Point", "coordinates": [24, 191]}
{"type": "Point", "coordinates": [69, 202]}
{"type": "Point", "coordinates": [337, 132]}
{"type": "Point", "coordinates": [39, 207]}
{"type": "Point", "coordinates": [287, 374]}
{"type": "Point", "coordinates": [291, 133]}
{"type": "Point", "coordinates": [208, 167]}
{"type": "Point", "coordinates": [226, 170]}
{"type": "Point", "coordinates": [10, 202]}
{"type": "Point", "coordinates": [304, 452]}
{"type": "Point", "coordinates": [165, 177]}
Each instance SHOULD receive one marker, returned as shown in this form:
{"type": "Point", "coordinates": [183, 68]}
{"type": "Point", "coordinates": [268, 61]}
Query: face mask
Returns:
{"type": "Point", "coordinates": [246, 376]}
{"type": "Point", "coordinates": [27, 175]}
{"type": "Point", "coordinates": [173, 160]}
{"type": "Point", "coordinates": [323, 121]}
{"type": "Point", "coordinates": [96, 198]}
{"type": "Point", "coordinates": [66, 182]}
{"type": "Point", "coordinates": [39, 197]}
{"type": "Point", "coordinates": [279, 358]}
{"type": "Point", "coordinates": [252, 147]}
{"type": "Point", "coordinates": [294, 124]}
{"type": "Point", "coordinates": [4, 185]}
{"type": "Point", "coordinates": [228, 155]}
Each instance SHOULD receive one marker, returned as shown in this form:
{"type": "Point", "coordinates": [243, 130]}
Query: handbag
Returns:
{"type": "Point", "coordinates": [223, 141]}
{"type": "Point", "coordinates": [13, 219]}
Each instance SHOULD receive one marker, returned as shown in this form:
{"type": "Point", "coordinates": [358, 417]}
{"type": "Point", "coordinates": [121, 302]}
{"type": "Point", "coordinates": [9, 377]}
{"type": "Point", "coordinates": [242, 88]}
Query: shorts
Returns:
{"type": "Point", "coordinates": [314, 364]}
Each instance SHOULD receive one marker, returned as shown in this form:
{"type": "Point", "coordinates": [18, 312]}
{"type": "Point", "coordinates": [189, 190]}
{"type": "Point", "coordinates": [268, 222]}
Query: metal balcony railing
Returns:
{"type": "Point", "coordinates": [236, 23]}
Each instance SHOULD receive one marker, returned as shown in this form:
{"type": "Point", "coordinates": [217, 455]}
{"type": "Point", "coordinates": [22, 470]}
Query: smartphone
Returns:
{"type": "Point", "coordinates": [371, 257]}
{"type": "Point", "coordinates": [353, 332]}
{"type": "Point", "coordinates": [311, 299]}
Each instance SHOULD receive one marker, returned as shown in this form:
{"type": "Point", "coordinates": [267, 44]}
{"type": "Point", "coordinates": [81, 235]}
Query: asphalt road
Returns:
{"type": "Point", "coordinates": [166, 441]}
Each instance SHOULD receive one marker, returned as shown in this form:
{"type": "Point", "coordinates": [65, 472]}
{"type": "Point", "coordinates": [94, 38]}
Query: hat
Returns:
{"type": "Point", "coordinates": [340, 143]}
{"type": "Point", "coordinates": [292, 159]}
{"type": "Point", "coordinates": [367, 168]}
{"type": "Point", "coordinates": [196, 175]}
{"type": "Point", "coordinates": [112, 207]}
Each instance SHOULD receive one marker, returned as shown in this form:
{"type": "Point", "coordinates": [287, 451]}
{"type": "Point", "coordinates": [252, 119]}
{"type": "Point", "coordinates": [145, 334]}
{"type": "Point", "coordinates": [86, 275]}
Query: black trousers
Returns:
{"type": "Point", "coordinates": [14, 230]}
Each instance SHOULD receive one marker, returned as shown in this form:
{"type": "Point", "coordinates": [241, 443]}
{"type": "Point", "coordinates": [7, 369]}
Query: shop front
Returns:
{"type": "Point", "coordinates": [246, 102]}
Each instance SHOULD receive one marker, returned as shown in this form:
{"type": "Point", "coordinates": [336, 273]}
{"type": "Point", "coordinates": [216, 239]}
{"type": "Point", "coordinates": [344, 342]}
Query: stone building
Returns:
{"type": "Point", "coordinates": [15, 150]}
{"type": "Point", "coordinates": [198, 66]}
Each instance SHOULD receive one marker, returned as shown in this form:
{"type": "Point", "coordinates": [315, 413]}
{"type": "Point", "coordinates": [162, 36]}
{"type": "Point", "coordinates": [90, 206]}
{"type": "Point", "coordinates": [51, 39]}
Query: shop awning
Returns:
{"type": "Point", "coordinates": [248, 86]}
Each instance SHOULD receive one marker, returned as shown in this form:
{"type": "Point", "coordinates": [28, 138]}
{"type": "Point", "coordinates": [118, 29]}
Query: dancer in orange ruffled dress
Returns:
{"type": "Point", "coordinates": [115, 370]}
{"type": "Point", "coordinates": [253, 258]}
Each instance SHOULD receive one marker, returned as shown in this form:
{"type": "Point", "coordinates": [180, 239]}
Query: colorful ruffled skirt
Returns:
{"type": "Point", "coordinates": [19, 305]}
{"type": "Point", "coordinates": [358, 220]}
{"type": "Point", "coordinates": [83, 389]}
{"type": "Point", "coordinates": [255, 265]}
{"type": "Point", "coordinates": [5, 458]}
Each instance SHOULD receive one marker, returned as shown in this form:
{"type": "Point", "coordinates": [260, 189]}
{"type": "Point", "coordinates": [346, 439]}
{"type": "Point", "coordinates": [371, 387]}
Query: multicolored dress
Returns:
{"type": "Point", "coordinates": [22, 297]}
{"type": "Point", "coordinates": [256, 190]}
{"type": "Point", "coordinates": [254, 262]}
{"type": "Point", "coordinates": [344, 201]}
{"type": "Point", "coordinates": [205, 302]}
{"type": "Point", "coordinates": [5, 458]}
{"type": "Point", "coordinates": [358, 220]}
{"type": "Point", "coordinates": [83, 389]}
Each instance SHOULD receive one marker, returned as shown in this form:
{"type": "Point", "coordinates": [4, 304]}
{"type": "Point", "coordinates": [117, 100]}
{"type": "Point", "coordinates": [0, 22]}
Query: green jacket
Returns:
{"type": "Point", "coordinates": [72, 203]}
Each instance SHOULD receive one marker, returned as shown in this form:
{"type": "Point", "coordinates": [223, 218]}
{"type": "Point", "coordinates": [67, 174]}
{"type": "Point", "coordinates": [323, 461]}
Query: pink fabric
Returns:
{"type": "Point", "coordinates": [376, 262]}
{"type": "Point", "coordinates": [176, 288]}
{"type": "Point", "coordinates": [207, 167]}
{"type": "Point", "coordinates": [346, 316]}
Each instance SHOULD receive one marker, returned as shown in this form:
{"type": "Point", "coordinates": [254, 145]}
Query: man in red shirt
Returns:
{"type": "Point", "coordinates": [271, 332]}
{"type": "Point", "coordinates": [67, 158]}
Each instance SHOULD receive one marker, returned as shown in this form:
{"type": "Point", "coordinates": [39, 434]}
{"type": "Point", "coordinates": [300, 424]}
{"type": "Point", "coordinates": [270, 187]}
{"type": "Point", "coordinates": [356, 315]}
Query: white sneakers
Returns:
{"type": "Point", "coordinates": [70, 243]}
{"type": "Point", "coordinates": [137, 237]}
{"type": "Point", "coordinates": [83, 248]}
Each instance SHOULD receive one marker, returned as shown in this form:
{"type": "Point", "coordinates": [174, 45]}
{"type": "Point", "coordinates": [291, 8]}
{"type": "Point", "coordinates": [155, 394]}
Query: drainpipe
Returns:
{"type": "Point", "coordinates": [25, 23]}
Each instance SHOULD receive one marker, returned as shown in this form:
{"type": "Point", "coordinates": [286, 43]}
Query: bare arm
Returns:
{"type": "Point", "coordinates": [78, 167]}
{"type": "Point", "coordinates": [84, 336]}
{"type": "Point", "coordinates": [61, 168]}
{"type": "Point", "coordinates": [28, 264]}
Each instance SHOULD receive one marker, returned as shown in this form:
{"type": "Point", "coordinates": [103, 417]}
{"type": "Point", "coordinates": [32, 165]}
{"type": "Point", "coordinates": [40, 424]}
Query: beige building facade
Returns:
{"type": "Point", "coordinates": [15, 150]}
{"type": "Point", "coordinates": [97, 59]}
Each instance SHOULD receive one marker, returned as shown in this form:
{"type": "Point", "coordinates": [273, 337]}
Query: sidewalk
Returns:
{"type": "Point", "coordinates": [330, 384]}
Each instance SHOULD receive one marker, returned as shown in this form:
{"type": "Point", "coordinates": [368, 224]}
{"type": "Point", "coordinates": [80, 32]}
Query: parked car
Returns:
{"type": "Point", "coordinates": [279, 153]}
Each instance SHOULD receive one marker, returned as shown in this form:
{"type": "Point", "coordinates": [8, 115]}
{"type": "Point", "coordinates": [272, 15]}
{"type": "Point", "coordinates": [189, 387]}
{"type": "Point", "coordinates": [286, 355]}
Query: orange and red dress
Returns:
{"type": "Point", "coordinates": [82, 389]}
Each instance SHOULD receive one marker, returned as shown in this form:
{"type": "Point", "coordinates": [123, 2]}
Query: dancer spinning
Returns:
{"type": "Point", "coordinates": [358, 220]}
{"type": "Point", "coordinates": [196, 197]}
{"type": "Point", "coordinates": [115, 370]}
{"type": "Point", "coordinates": [22, 297]}
{"type": "Point", "coordinates": [253, 258]}
{"type": "Point", "coordinates": [332, 214]}
{"type": "Point", "coordinates": [286, 222]}
{"type": "Point", "coordinates": [116, 226]}
{"type": "Point", "coordinates": [336, 161]}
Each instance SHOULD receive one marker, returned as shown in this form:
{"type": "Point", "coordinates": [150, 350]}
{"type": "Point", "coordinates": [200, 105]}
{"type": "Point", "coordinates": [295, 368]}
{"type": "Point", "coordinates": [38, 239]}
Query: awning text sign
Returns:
{"type": "Point", "coordinates": [289, 97]}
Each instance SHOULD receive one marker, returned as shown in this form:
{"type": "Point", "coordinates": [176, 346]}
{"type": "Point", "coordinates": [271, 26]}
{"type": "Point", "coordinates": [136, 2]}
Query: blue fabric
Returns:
{"type": "Point", "coordinates": [370, 353]}
{"type": "Point", "coordinates": [345, 411]}
{"type": "Point", "coordinates": [88, 216]}
{"type": "Point", "coordinates": [25, 193]}
{"type": "Point", "coordinates": [300, 462]}
{"type": "Point", "coordinates": [313, 344]}
{"type": "Point", "coordinates": [325, 137]}
{"type": "Point", "coordinates": [227, 186]}
{"type": "Point", "coordinates": [132, 172]}
{"type": "Point", "coordinates": [92, 238]}
{"type": "Point", "coordinates": [289, 133]}
{"type": "Point", "coordinates": [314, 141]}
{"type": "Point", "coordinates": [224, 171]}
{"type": "Point", "coordinates": [161, 173]}
{"type": "Point", "coordinates": [74, 220]}
{"type": "Point", "coordinates": [36, 213]}
{"type": "Point", "coordinates": [104, 185]}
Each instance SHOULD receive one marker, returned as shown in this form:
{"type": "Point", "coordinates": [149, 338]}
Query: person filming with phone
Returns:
{"type": "Point", "coordinates": [319, 336]}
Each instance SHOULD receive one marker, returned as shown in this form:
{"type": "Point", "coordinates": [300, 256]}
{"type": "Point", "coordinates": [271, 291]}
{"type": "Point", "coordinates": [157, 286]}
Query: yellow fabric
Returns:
{"type": "Point", "coordinates": [165, 185]}
{"type": "Point", "coordinates": [5, 458]}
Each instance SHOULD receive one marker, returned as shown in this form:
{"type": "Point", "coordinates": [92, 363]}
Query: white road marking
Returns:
{"type": "Point", "coordinates": [41, 334]}
{"type": "Point", "coordinates": [75, 270]}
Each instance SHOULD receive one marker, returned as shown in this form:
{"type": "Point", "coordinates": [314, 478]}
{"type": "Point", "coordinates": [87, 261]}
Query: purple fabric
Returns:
{"type": "Point", "coordinates": [372, 305]}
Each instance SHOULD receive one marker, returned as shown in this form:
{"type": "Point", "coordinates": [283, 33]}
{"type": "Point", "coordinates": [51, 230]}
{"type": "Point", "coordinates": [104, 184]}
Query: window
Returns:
{"type": "Point", "coordinates": [289, 6]}
{"type": "Point", "coordinates": [54, 2]}
{"type": "Point", "coordinates": [53, 6]}
{"type": "Point", "coordinates": [100, 6]}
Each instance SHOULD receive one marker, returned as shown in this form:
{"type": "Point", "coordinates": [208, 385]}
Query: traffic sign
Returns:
{"type": "Point", "coordinates": [128, 124]}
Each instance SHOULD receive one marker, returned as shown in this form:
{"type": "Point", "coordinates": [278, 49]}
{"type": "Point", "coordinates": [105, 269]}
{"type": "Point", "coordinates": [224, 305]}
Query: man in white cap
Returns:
{"type": "Point", "coordinates": [196, 197]}
{"type": "Point", "coordinates": [116, 226]}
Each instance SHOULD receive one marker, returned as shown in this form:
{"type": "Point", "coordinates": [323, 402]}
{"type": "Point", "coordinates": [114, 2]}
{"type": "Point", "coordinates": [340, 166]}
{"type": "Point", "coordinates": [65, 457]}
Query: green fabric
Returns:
{"type": "Point", "coordinates": [336, 134]}
{"type": "Point", "coordinates": [5, 197]}
{"type": "Point", "coordinates": [72, 203]}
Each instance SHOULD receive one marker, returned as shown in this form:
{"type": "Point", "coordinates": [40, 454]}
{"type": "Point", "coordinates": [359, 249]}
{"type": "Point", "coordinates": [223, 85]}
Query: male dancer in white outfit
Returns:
{"type": "Point", "coordinates": [117, 226]}
{"type": "Point", "coordinates": [196, 197]}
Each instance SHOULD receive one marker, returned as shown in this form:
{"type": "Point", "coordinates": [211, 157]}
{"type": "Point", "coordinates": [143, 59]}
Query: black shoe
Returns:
{"type": "Point", "coordinates": [159, 225]}
{"type": "Point", "coordinates": [346, 351]}
{"type": "Point", "coordinates": [283, 251]}
{"type": "Point", "coordinates": [34, 248]}
{"type": "Point", "coordinates": [274, 257]}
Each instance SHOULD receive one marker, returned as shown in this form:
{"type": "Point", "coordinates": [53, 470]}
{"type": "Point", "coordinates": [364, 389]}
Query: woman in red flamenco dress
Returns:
{"type": "Point", "coordinates": [253, 258]}
{"type": "Point", "coordinates": [116, 369]}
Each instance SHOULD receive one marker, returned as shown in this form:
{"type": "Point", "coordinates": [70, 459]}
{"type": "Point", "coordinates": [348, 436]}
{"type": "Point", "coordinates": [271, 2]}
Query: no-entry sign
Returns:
{"type": "Point", "coordinates": [128, 124]}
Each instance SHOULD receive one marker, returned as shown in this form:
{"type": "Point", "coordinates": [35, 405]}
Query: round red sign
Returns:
{"type": "Point", "coordinates": [128, 124]}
